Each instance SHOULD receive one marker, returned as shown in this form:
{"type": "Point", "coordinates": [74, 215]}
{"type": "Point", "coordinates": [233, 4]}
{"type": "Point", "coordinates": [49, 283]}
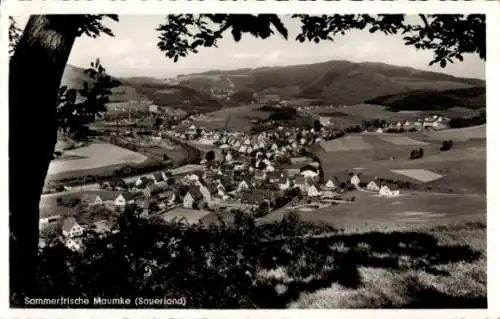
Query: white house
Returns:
{"type": "Point", "coordinates": [355, 180]}
{"type": "Point", "coordinates": [229, 157]}
{"type": "Point", "coordinates": [123, 199]}
{"type": "Point", "coordinates": [205, 192]}
{"type": "Point", "coordinates": [386, 192]}
{"type": "Point", "coordinates": [313, 191]}
{"type": "Point", "coordinates": [309, 174]}
{"type": "Point", "coordinates": [330, 184]}
{"type": "Point", "coordinates": [243, 186]}
{"type": "Point", "coordinates": [71, 228]}
{"type": "Point", "coordinates": [372, 186]}
{"type": "Point", "coordinates": [284, 184]}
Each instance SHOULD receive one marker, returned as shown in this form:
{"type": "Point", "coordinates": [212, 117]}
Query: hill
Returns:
{"type": "Point", "coordinates": [335, 82]}
{"type": "Point", "coordinates": [145, 88]}
{"type": "Point", "coordinates": [471, 98]}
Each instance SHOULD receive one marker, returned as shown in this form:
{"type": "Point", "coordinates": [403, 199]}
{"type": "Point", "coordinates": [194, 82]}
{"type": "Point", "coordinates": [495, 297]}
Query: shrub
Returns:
{"type": "Point", "coordinates": [447, 145]}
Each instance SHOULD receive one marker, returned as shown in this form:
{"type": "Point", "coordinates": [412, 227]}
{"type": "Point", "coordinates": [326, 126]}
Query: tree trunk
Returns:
{"type": "Point", "coordinates": [36, 69]}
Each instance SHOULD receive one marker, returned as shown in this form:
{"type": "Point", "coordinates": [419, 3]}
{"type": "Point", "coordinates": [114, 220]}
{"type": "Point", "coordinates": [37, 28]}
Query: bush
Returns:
{"type": "Point", "coordinates": [418, 153]}
{"type": "Point", "coordinates": [447, 145]}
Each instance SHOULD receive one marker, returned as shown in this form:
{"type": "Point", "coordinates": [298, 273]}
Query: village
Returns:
{"type": "Point", "coordinates": [241, 171]}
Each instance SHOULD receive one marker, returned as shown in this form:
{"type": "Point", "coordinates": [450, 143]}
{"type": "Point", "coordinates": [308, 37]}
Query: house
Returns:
{"type": "Point", "coordinates": [207, 195]}
{"type": "Point", "coordinates": [372, 186]}
{"type": "Point", "coordinates": [124, 198]}
{"type": "Point", "coordinates": [355, 180]}
{"type": "Point", "coordinates": [329, 184]}
{"type": "Point", "coordinates": [229, 157]}
{"type": "Point", "coordinates": [193, 197]}
{"type": "Point", "coordinates": [243, 186]}
{"type": "Point", "coordinates": [274, 176]}
{"type": "Point", "coordinates": [313, 191]}
{"type": "Point", "coordinates": [379, 131]}
{"type": "Point", "coordinates": [92, 199]}
{"type": "Point", "coordinates": [71, 228]}
{"type": "Point", "coordinates": [144, 206]}
{"type": "Point", "coordinates": [386, 192]}
{"type": "Point", "coordinates": [142, 181]}
{"type": "Point", "coordinates": [261, 176]}
{"type": "Point", "coordinates": [269, 168]}
{"type": "Point", "coordinates": [158, 178]}
{"type": "Point", "coordinates": [284, 183]}
{"type": "Point", "coordinates": [309, 172]}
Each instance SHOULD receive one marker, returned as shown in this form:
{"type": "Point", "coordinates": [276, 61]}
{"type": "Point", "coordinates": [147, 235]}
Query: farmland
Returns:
{"type": "Point", "coordinates": [461, 134]}
{"type": "Point", "coordinates": [237, 118]}
{"type": "Point", "coordinates": [95, 156]}
{"type": "Point", "coordinates": [463, 168]}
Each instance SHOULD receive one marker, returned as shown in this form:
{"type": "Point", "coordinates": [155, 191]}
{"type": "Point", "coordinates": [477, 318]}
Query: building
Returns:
{"type": "Point", "coordinates": [193, 197]}
{"type": "Point", "coordinates": [71, 228]}
{"type": "Point", "coordinates": [329, 184]}
{"type": "Point", "coordinates": [313, 191]}
{"type": "Point", "coordinates": [124, 198]}
{"type": "Point", "coordinates": [372, 186]}
{"type": "Point", "coordinates": [355, 180]}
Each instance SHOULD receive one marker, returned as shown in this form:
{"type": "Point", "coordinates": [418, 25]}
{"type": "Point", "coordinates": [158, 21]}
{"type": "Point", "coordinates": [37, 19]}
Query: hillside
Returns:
{"type": "Point", "coordinates": [471, 98]}
{"type": "Point", "coordinates": [336, 82]}
{"type": "Point", "coordinates": [145, 88]}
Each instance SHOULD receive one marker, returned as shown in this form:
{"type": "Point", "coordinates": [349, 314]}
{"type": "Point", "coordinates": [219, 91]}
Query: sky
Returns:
{"type": "Point", "coordinates": [133, 51]}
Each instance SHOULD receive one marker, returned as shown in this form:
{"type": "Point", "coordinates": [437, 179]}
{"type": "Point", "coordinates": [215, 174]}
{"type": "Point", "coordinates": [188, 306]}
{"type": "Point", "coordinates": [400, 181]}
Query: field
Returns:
{"type": "Point", "coordinates": [240, 117]}
{"type": "Point", "coordinates": [347, 143]}
{"type": "Point", "coordinates": [421, 175]}
{"type": "Point", "coordinates": [462, 134]}
{"type": "Point", "coordinates": [95, 156]}
{"type": "Point", "coordinates": [401, 140]}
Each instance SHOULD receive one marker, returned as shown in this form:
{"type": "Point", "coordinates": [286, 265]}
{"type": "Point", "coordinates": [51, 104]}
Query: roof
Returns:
{"type": "Point", "coordinates": [68, 223]}
{"type": "Point", "coordinates": [308, 168]}
{"type": "Point", "coordinates": [212, 188]}
{"type": "Point", "coordinates": [129, 196]}
{"type": "Point", "coordinates": [195, 192]}
{"type": "Point", "coordinates": [158, 176]}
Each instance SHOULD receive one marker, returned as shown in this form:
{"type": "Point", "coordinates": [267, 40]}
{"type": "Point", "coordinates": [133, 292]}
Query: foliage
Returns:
{"type": "Point", "coordinates": [14, 35]}
{"type": "Point", "coordinates": [448, 36]}
{"type": "Point", "coordinates": [447, 145]}
{"type": "Point", "coordinates": [460, 122]}
{"type": "Point", "coordinates": [417, 153]}
{"type": "Point", "coordinates": [154, 259]}
{"type": "Point", "coordinates": [74, 113]}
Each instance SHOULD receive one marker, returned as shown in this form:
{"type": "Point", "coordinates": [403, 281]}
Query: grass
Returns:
{"type": "Point", "coordinates": [439, 267]}
{"type": "Point", "coordinates": [461, 134]}
{"type": "Point", "coordinates": [98, 171]}
{"type": "Point", "coordinates": [240, 118]}
{"type": "Point", "coordinates": [95, 156]}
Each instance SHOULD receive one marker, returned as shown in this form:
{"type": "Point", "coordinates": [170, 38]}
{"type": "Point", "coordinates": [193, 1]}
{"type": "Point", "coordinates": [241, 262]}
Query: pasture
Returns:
{"type": "Point", "coordinates": [421, 175]}
{"type": "Point", "coordinates": [369, 212]}
{"type": "Point", "coordinates": [346, 143]}
{"type": "Point", "coordinates": [237, 118]}
{"type": "Point", "coordinates": [94, 156]}
{"type": "Point", "coordinates": [401, 140]}
{"type": "Point", "coordinates": [461, 134]}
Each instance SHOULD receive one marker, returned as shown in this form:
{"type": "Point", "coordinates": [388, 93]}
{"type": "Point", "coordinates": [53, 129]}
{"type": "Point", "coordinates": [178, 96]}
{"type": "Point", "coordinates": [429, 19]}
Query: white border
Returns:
{"type": "Point", "coordinates": [491, 8]}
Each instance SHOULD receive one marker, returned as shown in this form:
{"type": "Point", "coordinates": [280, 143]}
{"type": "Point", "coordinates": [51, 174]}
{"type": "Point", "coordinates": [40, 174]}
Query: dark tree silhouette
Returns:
{"type": "Point", "coordinates": [42, 53]}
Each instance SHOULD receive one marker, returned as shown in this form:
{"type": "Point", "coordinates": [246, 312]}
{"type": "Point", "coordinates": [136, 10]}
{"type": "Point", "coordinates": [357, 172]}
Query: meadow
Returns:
{"type": "Point", "coordinates": [94, 156]}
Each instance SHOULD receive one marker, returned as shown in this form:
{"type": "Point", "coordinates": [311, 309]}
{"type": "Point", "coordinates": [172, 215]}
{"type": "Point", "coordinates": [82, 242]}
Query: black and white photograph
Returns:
{"type": "Point", "coordinates": [247, 160]}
